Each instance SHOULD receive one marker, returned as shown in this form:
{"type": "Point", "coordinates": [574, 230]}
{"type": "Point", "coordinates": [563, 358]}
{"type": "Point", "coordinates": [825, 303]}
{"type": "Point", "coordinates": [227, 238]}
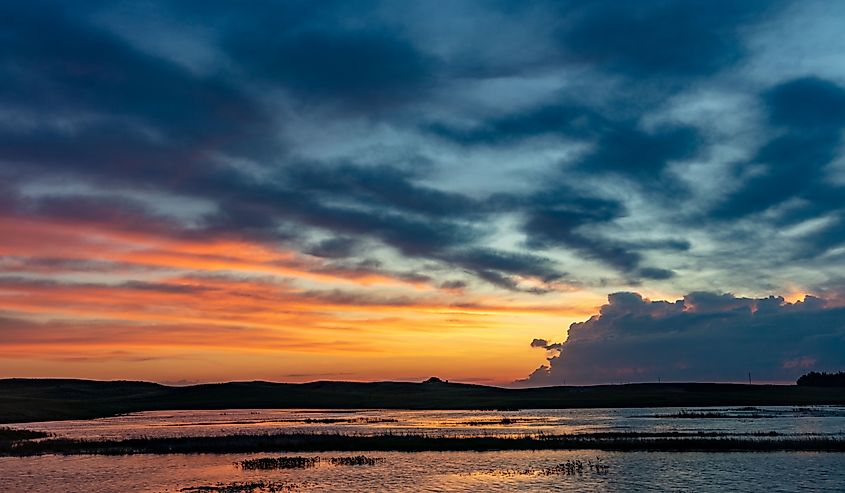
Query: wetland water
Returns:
{"type": "Point", "coordinates": [442, 471]}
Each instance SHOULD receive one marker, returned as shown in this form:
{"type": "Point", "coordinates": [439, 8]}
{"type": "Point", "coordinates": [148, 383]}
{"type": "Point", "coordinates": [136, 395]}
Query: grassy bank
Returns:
{"type": "Point", "coordinates": [672, 441]}
{"type": "Point", "coordinates": [23, 400]}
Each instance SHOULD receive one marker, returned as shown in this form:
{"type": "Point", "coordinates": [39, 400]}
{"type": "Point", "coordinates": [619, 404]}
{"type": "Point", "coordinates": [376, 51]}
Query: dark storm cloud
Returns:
{"type": "Point", "coordinates": [644, 39]}
{"type": "Point", "coordinates": [359, 69]}
{"type": "Point", "coordinates": [481, 259]}
{"type": "Point", "coordinates": [111, 211]}
{"type": "Point", "coordinates": [337, 53]}
{"type": "Point", "coordinates": [158, 126]}
{"type": "Point", "coordinates": [619, 145]}
{"type": "Point", "coordinates": [807, 116]}
{"type": "Point", "coordinates": [630, 151]}
{"type": "Point", "coordinates": [445, 239]}
{"type": "Point", "coordinates": [338, 247]}
{"type": "Point", "coordinates": [92, 104]}
{"type": "Point", "coordinates": [562, 218]}
{"type": "Point", "coordinates": [569, 227]}
{"type": "Point", "coordinates": [381, 185]}
{"type": "Point", "coordinates": [561, 119]}
{"type": "Point", "coordinates": [704, 336]}
{"type": "Point", "coordinates": [54, 61]}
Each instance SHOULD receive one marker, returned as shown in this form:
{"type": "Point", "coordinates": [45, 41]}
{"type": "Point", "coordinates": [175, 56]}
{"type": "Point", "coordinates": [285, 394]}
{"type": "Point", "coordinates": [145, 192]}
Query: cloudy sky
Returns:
{"type": "Point", "coordinates": [363, 190]}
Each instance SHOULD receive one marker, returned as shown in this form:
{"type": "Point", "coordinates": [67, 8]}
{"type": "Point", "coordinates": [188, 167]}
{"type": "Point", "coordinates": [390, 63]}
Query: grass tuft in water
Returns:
{"type": "Point", "coordinates": [572, 467]}
{"type": "Point", "coordinates": [278, 463]}
{"type": "Point", "coordinates": [298, 462]}
{"type": "Point", "coordinates": [249, 487]}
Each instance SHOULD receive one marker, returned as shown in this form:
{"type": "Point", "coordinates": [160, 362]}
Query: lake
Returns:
{"type": "Point", "coordinates": [443, 471]}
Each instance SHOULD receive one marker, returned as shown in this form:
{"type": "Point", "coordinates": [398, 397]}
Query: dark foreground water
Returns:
{"type": "Point", "coordinates": [436, 471]}
{"type": "Point", "coordinates": [528, 471]}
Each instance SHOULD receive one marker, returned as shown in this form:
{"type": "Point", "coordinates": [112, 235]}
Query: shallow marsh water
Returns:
{"type": "Point", "coordinates": [443, 471]}
{"type": "Point", "coordinates": [794, 420]}
{"type": "Point", "coordinates": [437, 471]}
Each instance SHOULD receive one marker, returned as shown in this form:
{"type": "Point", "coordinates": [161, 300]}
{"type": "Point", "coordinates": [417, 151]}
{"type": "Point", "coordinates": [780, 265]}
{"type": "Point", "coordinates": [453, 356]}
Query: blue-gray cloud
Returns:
{"type": "Point", "coordinates": [644, 39]}
{"type": "Point", "coordinates": [340, 129]}
{"type": "Point", "coordinates": [704, 336]}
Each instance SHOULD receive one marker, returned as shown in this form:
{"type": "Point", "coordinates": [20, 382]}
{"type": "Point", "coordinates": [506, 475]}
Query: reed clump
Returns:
{"type": "Point", "coordinates": [278, 463]}
{"type": "Point", "coordinates": [248, 487]}
{"type": "Point", "coordinates": [359, 420]}
{"type": "Point", "coordinates": [496, 422]}
{"type": "Point", "coordinates": [297, 462]}
{"type": "Point", "coordinates": [572, 467]}
{"type": "Point", "coordinates": [356, 460]}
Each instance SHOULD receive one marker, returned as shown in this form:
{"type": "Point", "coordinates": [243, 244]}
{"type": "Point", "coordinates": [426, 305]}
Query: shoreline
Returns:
{"type": "Point", "coordinates": [31, 400]}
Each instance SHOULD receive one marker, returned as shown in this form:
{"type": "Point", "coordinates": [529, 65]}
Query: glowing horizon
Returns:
{"type": "Point", "coordinates": [581, 193]}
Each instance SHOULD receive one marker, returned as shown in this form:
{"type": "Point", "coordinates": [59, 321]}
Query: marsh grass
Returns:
{"type": "Point", "coordinates": [324, 442]}
{"type": "Point", "coordinates": [360, 420]}
{"type": "Point", "coordinates": [297, 462]}
{"type": "Point", "coordinates": [499, 422]}
{"type": "Point", "coordinates": [572, 467]}
{"type": "Point", "coordinates": [685, 414]}
{"type": "Point", "coordinates": [265, 463]}
{"type": "Point", "coordinates": [748, 412]}
{"type": "Point", "coordinates": [735, 413]}
{"type": "Point", "coordinates": [248, 487]}
{"type": "Point", "coordinates": [357, 460]}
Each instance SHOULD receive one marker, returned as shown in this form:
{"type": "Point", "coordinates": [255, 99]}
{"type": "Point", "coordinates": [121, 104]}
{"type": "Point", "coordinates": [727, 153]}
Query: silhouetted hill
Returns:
{"type": "Point", "coordinates": [24, 400]}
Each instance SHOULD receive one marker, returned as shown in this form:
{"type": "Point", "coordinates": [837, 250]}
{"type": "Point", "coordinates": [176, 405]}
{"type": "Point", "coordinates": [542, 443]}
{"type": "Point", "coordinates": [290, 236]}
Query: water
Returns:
{"type": "Point", "coordinates": [442, 471]}
{"type": "Point", "coordinates": [786, 420]}
{"type": "Point", "coordinates": [437, 471]}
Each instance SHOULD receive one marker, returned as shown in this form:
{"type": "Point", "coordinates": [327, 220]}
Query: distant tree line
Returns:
{"type": "Point", "coordinates": [823, 379]}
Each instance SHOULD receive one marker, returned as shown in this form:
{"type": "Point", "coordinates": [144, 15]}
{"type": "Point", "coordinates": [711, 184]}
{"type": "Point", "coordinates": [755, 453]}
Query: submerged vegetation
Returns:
{"type": "Point", "coordinates": [304, 442]}
{"type": "Point", "coordinates": [743, 413]}
{"type": "Point", "coordinates": [572, 467]}
{"type": "Point", "coordinates": [749, 413]}
{"type": "Point", "coordinates": [297, 462]}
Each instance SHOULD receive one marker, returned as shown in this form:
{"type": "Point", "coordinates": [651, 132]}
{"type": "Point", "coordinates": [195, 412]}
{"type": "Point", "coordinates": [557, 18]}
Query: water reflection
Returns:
{"type": "Point", "coordinates": [437, 471]}
{"type": "Point", "coordinates": [527, 471]}
{"type": "Point", "coordinates": [786, 420]}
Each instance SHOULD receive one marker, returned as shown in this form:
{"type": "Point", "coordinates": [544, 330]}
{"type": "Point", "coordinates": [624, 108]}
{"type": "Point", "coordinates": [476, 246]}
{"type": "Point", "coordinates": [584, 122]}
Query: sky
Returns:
{"type": "Point", "coordinates": [497, 192]}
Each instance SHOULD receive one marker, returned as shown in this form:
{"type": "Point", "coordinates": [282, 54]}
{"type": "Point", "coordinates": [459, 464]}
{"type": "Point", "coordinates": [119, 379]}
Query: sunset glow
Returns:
{"type": "Point", "coordinates": [584, 193]}
{"type": "Point", "coordinates": [97, 299]}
